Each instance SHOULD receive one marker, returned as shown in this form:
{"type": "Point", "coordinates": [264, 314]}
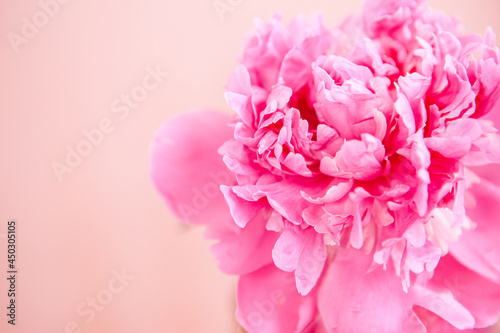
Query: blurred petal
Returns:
{"type": "Point", "coordinates": [268, 302]}
{"type": "Point", "coordinates": [186, 168]}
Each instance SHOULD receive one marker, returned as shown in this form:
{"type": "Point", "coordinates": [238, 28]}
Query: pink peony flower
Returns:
{"type": "Point", "coordinates": [355, 190]}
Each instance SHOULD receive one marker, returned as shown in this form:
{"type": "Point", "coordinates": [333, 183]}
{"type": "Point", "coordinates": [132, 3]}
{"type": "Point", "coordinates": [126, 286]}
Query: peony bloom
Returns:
{"type": "Point", "coordinates": [355, 190]}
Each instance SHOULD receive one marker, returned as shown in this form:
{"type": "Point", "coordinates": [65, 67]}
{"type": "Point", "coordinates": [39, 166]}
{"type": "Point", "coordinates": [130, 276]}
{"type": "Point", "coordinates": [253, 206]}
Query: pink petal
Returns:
{"type": "Point", "coordinates": [297, 164]}
{"type": "Point", "coordinates": [242, 251]}
{"type": "Point", "coordinates": [478, 295]}
{"type": "Point", "coordinates": [352, 300]}
{"type": "Point", "coordinates": [358, 159]}
{"type": "Point", "coordinates": [444, 305]}
{"type": "Point", "coordinates": [356, 237]}
{"type": "Point", "coordinates": [281, 94]}
{"type": "Point", "coordinates": [268, 302]}
{"type": "Point", "coordinates": [188, 172]}
{"type": "Point", "coordinates": [451, 147]}
{"type": "Point", "coordinates": [478, 249]}
{"type": "Point", "coordinates": [435, 324]}
{"type": "Point", "coordinates": [238, 95]}
{"type": "Point", "coordinates": [296, 67]}
{"type": "Point", "coordinates": [337, 189]}
{"type": "Point", "coordinates": [286, 199]}
{"type": "Point", "coordinates": [287, 250]}
{"type": "Point", "coordinates": [302, 251]}
{"type": "Point", "coordinates": [311, 262]}
{"type": "Point", "coordinates": [241, 210]}
{"type": "Point", "coordinates": [186, 168]}
{"type": "Point", "coordinates": [405, 112]}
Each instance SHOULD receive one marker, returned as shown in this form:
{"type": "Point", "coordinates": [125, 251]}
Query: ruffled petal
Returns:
{"type": "Point", "coordinates": [303, 252]}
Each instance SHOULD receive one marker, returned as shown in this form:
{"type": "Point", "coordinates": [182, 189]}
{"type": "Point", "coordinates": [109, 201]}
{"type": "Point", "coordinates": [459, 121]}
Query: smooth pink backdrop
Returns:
{"type": "Point", "coordinates": [105, 215]}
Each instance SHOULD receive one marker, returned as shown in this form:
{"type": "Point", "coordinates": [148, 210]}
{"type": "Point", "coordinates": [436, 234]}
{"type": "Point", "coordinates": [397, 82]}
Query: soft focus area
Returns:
{"type": "Point", "coordinates": [97, 249]}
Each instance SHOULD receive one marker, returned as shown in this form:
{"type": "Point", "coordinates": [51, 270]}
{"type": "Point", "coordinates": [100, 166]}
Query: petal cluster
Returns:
{"type": "Point", "coordinates": [355, 189]}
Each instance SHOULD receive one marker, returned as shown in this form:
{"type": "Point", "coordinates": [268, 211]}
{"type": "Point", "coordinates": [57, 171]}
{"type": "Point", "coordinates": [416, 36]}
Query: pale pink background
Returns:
{"type": "Point", "coordinates": [106, 214]}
